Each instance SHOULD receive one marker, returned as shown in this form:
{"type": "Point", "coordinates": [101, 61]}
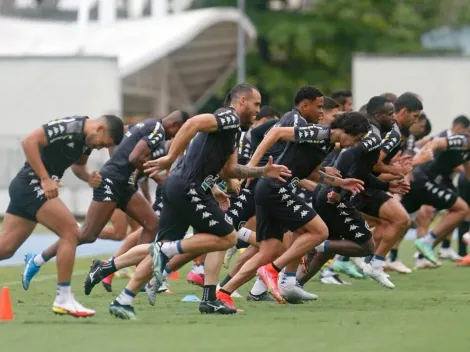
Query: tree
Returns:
{"type": "Point", "coordinates": [315, 46]}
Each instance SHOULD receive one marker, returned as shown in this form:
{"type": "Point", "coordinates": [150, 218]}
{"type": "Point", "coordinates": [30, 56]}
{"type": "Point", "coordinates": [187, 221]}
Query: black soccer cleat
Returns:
{"type": "Point", "coordinates": [93, 277]}
{"type": "Point", "coordinates": [125, 312]}
{"type": "Point", "coordinates": [107, 286]}
{"type": "Point", "coordinates": [215, 307]}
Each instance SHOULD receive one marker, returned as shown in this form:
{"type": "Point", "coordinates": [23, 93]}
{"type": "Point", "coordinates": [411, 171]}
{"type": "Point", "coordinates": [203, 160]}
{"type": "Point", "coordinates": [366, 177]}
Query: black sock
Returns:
{"type": "Point", "coordinates": [208, 294]}
{"type": "Point", "coordinates": [445, 243]}
{"type": "Point", "coordinates": [225, 291]}
{"type": "Point", "coordinates": [344, 259]}
{"type": "Point", "coordinates": [107, 268]}
{"type": "Point", "coordinates": [393, 255]}
{"type": "Point", "coordinates": [276, 268]}
{"type": "Point", "coordinates": [369, 258]}
{"type": "Point", "coordinates": [225, 280]}
{"type": "Point", "coordinates": [420, 256]}
{"type": "Point", "coordinates": [463, 229]}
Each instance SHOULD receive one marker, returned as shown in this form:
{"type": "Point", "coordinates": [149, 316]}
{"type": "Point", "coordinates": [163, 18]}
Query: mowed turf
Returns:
{"type": "Point", "coordinates": [428, 311]}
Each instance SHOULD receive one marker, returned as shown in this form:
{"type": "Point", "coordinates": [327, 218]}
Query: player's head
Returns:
{"type": "Point", "coordinates": [309, 101]}
{"type": "Point", "coordinates": [407, 109]}
{"type": "Point", "coordinates": [380, 109]}
{"type": "Point", "coordinates": [348, 128]}
{"type": "Point", "coordinates": [104, 132]}
{"type": "Point", "coordinates": [344, 98]}
{"type": "Point", "coordinates": [330, 110]}
{"type": "Point", "coordinates": [245, 98]}
{"type": "Point", "coordinates": [266, 114]}
{"type": "Point", "coordinates": [460, 124]}
{"type": "Point", "coordinates": [418, 128]}
{"type": "Point", "coordinates": [173, 122]}
{"type": "Point", "coordinates": [392, 98]}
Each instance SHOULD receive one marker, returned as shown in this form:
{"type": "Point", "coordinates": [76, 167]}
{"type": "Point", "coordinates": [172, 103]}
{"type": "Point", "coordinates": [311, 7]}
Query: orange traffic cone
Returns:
{"type": "Point", "coordinates": [175, 275]}
{"type": "Point", "coordinates": [6, 312]}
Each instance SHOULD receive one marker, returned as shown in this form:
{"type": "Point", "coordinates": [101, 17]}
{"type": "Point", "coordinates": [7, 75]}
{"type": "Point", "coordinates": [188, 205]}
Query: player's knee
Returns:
{"type": "Point", "coordinates": [460, 206]}
{"type": "Point", "coordinates": [404, 221]}
{"type": "Point", "coordinates": [7, 251]}
{"type": "Point", "coordinates": [230, 240]}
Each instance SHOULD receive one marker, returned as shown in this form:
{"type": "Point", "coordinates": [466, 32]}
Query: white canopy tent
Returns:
{"type": "Point", "coordinates": [173, 61]}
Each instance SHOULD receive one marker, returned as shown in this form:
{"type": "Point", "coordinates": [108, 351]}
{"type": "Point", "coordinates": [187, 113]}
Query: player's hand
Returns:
{"type": "Point", "coordinates": [234, 185]}
{"type": "Point", "coordinates": [351, 184]}
{"type": "Point", "coordinates": [423, 156]}
{"type": "Point", "coordinates": [94, 180]}
{"type": "Point", "coordinates": [332, 171]}
{"type": "Point", "coordinates": [153, 167]}
{"type": "Point", "coordinates": [50, 188]}
{"type": "Point", "coordinates": [333, 197]}
{"type": "Point", "coordinates": [279, 172]}
{"type": "Point", "coordinates": [399, 187]}
{"type": "Point", "coordinates": [222, 198]}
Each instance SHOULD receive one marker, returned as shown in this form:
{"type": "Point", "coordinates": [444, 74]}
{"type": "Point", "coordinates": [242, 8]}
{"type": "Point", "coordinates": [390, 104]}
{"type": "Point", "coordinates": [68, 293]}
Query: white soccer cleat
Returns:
{"type": "Point", "coordinates": [397, 266]}
{"type": "Point", "coordinates": [296, 294]}
{"type": "Point", "coordinates": [449, 254]}
{"type": "Point", "coordinates": [358, 262]}
{"type": "Point", "coordinates": [423, 263]}
{"type": "Point", "coordinates": [379, 276]}
{"type": "Point", "coordinates": [330, 277]}
{"type": "Point", "coordinates": [235, 294]}
{"type": "Point", "coordinates": [71, 307]}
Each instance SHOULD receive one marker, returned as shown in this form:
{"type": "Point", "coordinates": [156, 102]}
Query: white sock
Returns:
{"type": "Point", "coordinates": [377, 262]}
{"type": "Point", "coordinates": [244, 234]}
{"type": "Point", "coordinates": [39, 260]}
{"type": "Point", "coordinates": [64, 291]}
{"type": "Point", "coordinates": [198, 269]}
{"type": "Point", "coordinates": [429, 238]}
{"type": "Point", "coordinates": [171, 249]}
{"type": "Point", "coordinates": [288, 280]}
{"type": "Point", "coordinates": [320, 248]}
{"type": "Point", "coordinates": [258, 288]}
{"type": "Point", "coordinates": [126, 297]}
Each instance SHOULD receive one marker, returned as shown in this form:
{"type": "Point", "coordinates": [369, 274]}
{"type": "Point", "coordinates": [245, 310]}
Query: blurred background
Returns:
{"type": "Point", "coordinates": [141, 58]}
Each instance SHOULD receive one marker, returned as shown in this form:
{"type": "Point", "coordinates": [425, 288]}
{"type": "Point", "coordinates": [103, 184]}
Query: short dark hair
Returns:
{"type": "Point", "coordinates": [353, 123]}
{"type": "Point", "coordinates": [427, 128]}
{"type": "Point", "coordinates": [389, 96]}
{"type": "Point", "coordinates": [238, 90]}
{"type": "Point", "coordinates": [409, 101]}
{"type": "Point", "coordinates": [268, 112]}
{"type": "Point", "coordinates": [375, 103]}
{"type": "Point", "coordinates": [363, 109]}
{"type": "Point", "coordinates": [307, 93]}
{"type": "Point", "coordinates": [461, 120]}
{"type": "Point", "coordinates": [341, 96]}
{"type": "Point", "coordinates": [184, 115]}
{"type": "Point", "coordinates": [422, 117]}
{"type": "Point", "coordinates": [329, 104]}
{"type": "Point", "coordinates": [115, 128]}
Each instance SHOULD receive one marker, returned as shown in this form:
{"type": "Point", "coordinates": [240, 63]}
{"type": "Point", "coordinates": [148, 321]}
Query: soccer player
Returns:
{"type": "Point", "coordinates": [344, 99]}
{"type": "Point", "coordinates": [278, 210]}
{"type": "Point", "coordinates": [116, 190]}
{"type": "Point", "coordinates": [50, 150]}
{"type": "Point", "coordinates": [188, 200]}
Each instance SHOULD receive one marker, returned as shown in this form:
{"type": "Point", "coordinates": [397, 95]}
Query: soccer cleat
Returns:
{"type": "Point", "coordinates": [449, 254]}
{"type": "Point", "coordinates": [163, 287]}
{"type": "Point", "coordinates": [159, 260]}
{"type": "Point", "coordinates": [125, 273]}
{"type": "Point", "coordinates": [296, 294]}
{"type": "Point", "coordinates": [465, 261]}
{"type": "Point", "coordinates": [264, 297]}
{"type": "Point", "coordinates": [215, 307]}
{"type": "Point", "coordinates": [125, 312]}
{"type": "Point", "coordinates": [423, 263]}
{"type": "Point", "coordinates": [225, 299]}
{"type": "Point", "coordinates": [330, 277]}
{"type": "Point", "coordinates": [229, 255]}
{"type": "Point", "coordinates": [397, 266]}
{"type": "Point", "coordinates": [359, 262]}
{"type": "Point", "coordinates": [347, 268]}
{"type": "Point", "coordinates": [71, 307]}
{"type": "Point", "coordinates": [30, 269]}
{"type": "Point", "coordinates": [195, 279]}
{"type": "Point", "coordinates": [378, 275]}
{"type": "Point", "coordinates": [270, 277]}
{"type": "Point", "coordinates": [236, 294]}
{"type": "Point", "coordinates": [426, 250]}
{"type": "Point", "coordinates": [93, 277]}
{"type": "Point", "coordinates": [107, 283]}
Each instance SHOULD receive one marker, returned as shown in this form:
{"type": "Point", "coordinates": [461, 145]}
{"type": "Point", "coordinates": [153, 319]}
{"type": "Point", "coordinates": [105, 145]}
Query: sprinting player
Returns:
{"type": "Point", "coordinates": [115, 191]}
{"type": "Point", "coordinates": [278, 210]}
{"type": "Point", "coordinates": [50, 150]}
{"type": "Point", "coordinates": [348, 232]}
{"type": "Point", "coordinates": [388, 216]}
{"type": "Point", "coordinates": [452, 151]}
{"type": "Point", "coordinates": [344, 99]}
{"type": "Point", "coordinates": [188, 200]}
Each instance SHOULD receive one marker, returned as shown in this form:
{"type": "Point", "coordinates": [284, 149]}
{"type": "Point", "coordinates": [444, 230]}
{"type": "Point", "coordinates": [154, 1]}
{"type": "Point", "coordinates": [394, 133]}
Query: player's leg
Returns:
{"type": "Point", "coordinates": [56, 217]}
{"type": "Point", "coordinates": [118, 229]}
{"type": "Point", "coordinates": [141, 211]}
{"type": "Point", "coordinates": [15, 231]}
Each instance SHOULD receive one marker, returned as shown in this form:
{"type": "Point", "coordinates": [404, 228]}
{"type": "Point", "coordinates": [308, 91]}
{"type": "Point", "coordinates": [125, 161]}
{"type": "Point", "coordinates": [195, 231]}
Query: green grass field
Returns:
{"type": "Point", "coordinates": [428, 311]}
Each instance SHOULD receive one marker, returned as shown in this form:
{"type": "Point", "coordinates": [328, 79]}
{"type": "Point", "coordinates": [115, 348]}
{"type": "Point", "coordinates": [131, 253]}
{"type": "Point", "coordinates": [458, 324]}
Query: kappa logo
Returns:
{"type": "Point", "coordinates": [228, 219]}
{"type": "Point", "coordinates": [195, 199]}
{"type": "Point", "coordinates": [303, 213]}
{"type": "Point", "coordinates": [192, 192]}
{"type": "Point", "coordinates": [215, 222]}
{"type": "Point", "coordinates": [359, 234]}
{"type": "Point", "coordinates": [296, 207]}
{"type": "Point", "coordinates": [234, 212]}
{"type": "Point", "coordinates": [206, 214]}
{"type": "Point", "coordinates": [353, 227]}
{"type": "Point", "coordinates": [107, 199]}
{"type": "Point", "coordinates": [347, 220]}
{"type": "Point", "coordinates": [239, 204]}
{"type": "Point", "coordinates": [200, 207]}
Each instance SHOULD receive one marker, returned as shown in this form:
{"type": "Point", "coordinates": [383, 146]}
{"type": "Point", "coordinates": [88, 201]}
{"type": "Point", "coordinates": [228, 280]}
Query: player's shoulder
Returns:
{"type": "Point", "coordinates": [291, 118]}
{"type": "Point", "coordinates": [226, 112]}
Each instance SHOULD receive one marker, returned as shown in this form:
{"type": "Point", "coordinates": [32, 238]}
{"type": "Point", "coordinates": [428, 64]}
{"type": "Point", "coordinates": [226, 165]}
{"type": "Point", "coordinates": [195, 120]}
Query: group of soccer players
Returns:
{"type": "Point", "coordinates": [321, 182]}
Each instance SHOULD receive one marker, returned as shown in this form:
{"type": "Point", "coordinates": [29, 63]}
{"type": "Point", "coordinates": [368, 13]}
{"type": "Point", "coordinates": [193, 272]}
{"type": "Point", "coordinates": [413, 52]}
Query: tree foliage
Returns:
{"type": "Point", "coordinates": [315, 46]}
